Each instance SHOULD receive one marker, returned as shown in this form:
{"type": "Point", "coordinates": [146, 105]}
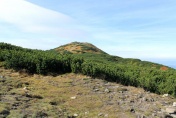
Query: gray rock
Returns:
{"type": "Point", "coordinates": [5, 113]}
{"type": "Point", "coordinates": [171, 109]}
{"type": "Point", "coordinates": [122, 89]}
{"type": "Point", "coordinates": [154, 114]}
{"type": "Point", "coordinates": [75, 115]}
{"type": "Point", "coordinates": [107, 90]}
{"type": "Point", "coordinates": [173, 115]}
{"type": "Point", "coordinates": [140, 96]}
{"type": "Point", "coordinates": [106, 115]}
{"type": "Point", "coordinates": [107, 84]}
{"type": "Point", "coordinates": [2, 77]}
{"type": "Point", "coordinates": [95, 90]}
{"type": "Point", "coordinates": [132, 110]}
{"type": "Point", "coordinates": [100, 114]}
{"type": "Point", "coordinates": [74, 97]}
{"type": "Point", "coordinates": [86, 113]}
{"type": "Point", "coordinates": [168, 116]}
{"type": "Point", "coordinates": [148, 99]}
{"type": "Point", "coordinates": [140, 116]}
{"type": "Point", "coordinates": [164, 103]}
{"type": "Point", "coordinates": [110, 103]}
{"type": "Point", "coordinates": [151, 100]}
{"type": "Point", "coordinates": [165, 95]}
{"type": "Point", "coordinates": [2, 80]}
{"type": "Point", "coordinates": [144, 99]}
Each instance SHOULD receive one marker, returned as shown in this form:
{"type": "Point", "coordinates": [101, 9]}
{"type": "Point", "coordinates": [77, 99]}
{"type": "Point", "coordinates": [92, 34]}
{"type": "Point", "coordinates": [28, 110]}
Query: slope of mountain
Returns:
{"type": "Point", "coordinates": [77, 47]}
{"type": "Point", "coordinates": [89, 51]}
{"type": "Point", "coordinates": [70, 95]}
{"type": "Point", "coordinates": [26, 89]}
{"type": "Point", "coordinates": [150, 76]}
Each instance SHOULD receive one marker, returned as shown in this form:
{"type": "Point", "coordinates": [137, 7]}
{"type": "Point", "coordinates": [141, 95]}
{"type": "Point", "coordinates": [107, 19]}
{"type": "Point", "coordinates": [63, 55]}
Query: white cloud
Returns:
{"type": "Point", "coordinates": [25, 14]}
{"type": "Point", "coordinates": [29, 17]}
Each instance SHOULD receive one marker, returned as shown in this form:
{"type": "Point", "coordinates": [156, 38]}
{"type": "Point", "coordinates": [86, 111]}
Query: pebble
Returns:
{"type": "Point", "coordinates": [25, 88]}
{"type": "Point", "coordinates": [74, 97]}
{"type": "Point", "coordinates": [2, 77]}
{"type": "Point", "coordinates": [173, 115]}
{"type": "Point", "coordinates": [171, 109]}
{"type": "Point", "coordinates": [132, 110]}
{"type": "Point", "coordinates": [140, 96]}
{"type": "Point", "coordinates": [174, 104]}
{"type": "Point", "coordinates": [106, 115]}
{"type": "Point", "coordinates": [168, 116]}
{"type": "Point", "coordinates": [154, 114]}
{"type": "Point", "coordinates": [165, 95]}
{"type": "Point", "coordinates": [107, 90]}
{"type": "Point", "coordinates": [100, 114]}
{"type": "Point", "coordinates": [96, 90]}
{"type": "Point", "coordinates": [75, 115]}
{"type": "Point", "coordinates": [86, 113]}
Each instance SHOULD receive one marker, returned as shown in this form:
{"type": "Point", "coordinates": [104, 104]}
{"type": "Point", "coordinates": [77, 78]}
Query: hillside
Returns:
{"type": "Point", "coordinates": [70, 95]}
{"type": "Point", "coordinates": [77, 47]}
{"type": "Point", "coordinates": [91, 52]}
{"type": "Point", "coordinates": [150, 76]}
{"type": "Point", "coordinates": [29, 77]}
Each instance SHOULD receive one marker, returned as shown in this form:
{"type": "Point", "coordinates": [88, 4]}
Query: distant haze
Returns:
{"type": "Point", "coordinates": [167, 62]}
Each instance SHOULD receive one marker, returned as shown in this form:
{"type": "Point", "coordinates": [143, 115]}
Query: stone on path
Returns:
{"type": "Point", "coordinates": [174, 104]}
{"type": "Point", "coordinates": [74, 97]}
{"type": "Point", "coordinates": [165, 95]}
{"type": "Point", "coordinates": [171, 109]}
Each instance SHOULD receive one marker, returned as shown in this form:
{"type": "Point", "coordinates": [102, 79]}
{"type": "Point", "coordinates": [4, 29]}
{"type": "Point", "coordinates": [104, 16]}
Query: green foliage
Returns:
{"type": "Point", "coordinates": [126, 71]}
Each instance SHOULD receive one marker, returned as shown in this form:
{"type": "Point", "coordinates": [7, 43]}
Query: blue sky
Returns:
{"type": "Point", "coordinates": [144, 29]}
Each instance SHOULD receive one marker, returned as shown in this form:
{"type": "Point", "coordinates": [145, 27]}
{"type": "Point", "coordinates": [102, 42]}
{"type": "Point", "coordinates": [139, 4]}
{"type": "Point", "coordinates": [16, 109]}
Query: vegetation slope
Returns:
{"type": "Point", "coordinates": [150, 76]}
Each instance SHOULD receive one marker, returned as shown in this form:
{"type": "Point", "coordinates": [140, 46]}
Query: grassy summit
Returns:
{"type": "Point", "coordinates": [77, 47]}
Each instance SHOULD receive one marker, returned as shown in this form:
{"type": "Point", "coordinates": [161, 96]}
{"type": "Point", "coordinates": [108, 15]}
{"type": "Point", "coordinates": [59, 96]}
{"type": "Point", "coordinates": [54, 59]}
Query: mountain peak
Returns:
{"type": "Point", "coordinates": [79, 47]}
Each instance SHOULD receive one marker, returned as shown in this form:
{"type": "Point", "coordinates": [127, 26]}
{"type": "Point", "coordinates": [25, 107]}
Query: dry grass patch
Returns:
{"type": "Point", "coordinates": [71, 94]}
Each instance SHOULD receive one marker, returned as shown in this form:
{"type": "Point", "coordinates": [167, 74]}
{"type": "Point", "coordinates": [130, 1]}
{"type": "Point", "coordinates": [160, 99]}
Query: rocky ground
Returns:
{"type": "Point", "coordinates": [77, 96]}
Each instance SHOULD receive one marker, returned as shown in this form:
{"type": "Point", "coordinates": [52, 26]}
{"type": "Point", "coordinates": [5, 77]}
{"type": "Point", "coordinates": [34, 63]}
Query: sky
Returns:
{"type": "Point", "coordinates": [144, 29]}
